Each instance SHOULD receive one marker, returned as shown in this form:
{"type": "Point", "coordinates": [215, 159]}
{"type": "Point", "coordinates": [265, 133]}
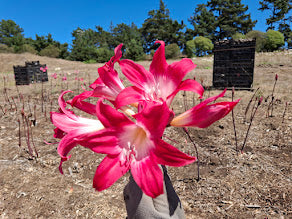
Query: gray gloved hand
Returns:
{"type": "Point", "coordinates": [141, 206]}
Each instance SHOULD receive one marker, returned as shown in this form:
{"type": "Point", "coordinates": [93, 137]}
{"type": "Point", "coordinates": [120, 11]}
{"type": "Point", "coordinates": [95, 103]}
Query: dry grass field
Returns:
{"type": "Point", "coordinates": [252, 184]}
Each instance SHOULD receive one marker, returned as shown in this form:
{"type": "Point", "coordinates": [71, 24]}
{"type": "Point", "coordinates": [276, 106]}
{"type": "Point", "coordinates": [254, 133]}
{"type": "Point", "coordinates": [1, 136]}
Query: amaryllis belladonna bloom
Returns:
{"type": "Point", "coordinates": [161, 83]}
{"type": "Point", "coordinates": [141, 148]}
{"type": "Point", "coordinates": [129, 145]}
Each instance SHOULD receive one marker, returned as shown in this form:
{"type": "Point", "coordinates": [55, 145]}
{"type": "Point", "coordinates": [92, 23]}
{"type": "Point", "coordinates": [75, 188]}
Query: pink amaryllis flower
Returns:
{"type": "Point", "coordinates": [54, 75]}
{"type": "Point", "coordinates": [129, 145]}
{"type": "Point", "coordinates": [44, 69]}
{"type": "Point", "coordinates": [161, 83]}
{"type": "Point", "coordinates": [141, 148]}
{"type": "Point", "coordinates": [64, 78]}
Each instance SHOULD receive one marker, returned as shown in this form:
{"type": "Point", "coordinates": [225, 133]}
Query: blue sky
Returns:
{"type": "Point", "coordinates": [61, 17]}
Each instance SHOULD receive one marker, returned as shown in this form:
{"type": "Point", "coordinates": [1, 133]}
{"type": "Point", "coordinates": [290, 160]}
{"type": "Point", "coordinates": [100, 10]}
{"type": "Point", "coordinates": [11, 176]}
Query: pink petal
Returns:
{"type": "Point", "coordinates": [166, 154]}
{"type": "Point", "coordinates": [209, 100]}
{"type": "Point", "coordinates": [67, 124]}
{"type": "Point", "coordinates": [159, 65]}
{"type": "Point", "coordinates": [111, 79]}
{"type": "Point", "coordinates": [84, 95]}
{"type": "Point", "coordinates": [177, 70]}
{"type": "Point", "coordinates": [108, 172]}
{"type": "Point", "coordinates": [63, 122]}
{"type": "Point", "coordinates": [98, 81]}
{"type": "Point", "coordinates": [58, 133]}
{"type": "Point", "coordinates": [148, 176]}
{"type": "Point", "coordinates": [187, 85]}
{"type": "Point", "coordinates": [154, 117]}
{"type": "Point", "coordinates": [109, 116]}
{"type": "Point", "coordinates": [204, 116]}
{"type": "Point", "coordinates": [66, 145]}
{"type": "Point", "coordinates": [103, 141]}
{"type": "Point", "coordinates": [63, 104]}
{"type": "Point", "coordinates": [84, 106]}
{"type": "Point", "coordinates": [104, 92]}
{"type": "Point", "coordinates": [137, 74]}
{"type": "Point", "coordinates": [118, 53]}
{"type": "Point", "coordinates": [128, 96]}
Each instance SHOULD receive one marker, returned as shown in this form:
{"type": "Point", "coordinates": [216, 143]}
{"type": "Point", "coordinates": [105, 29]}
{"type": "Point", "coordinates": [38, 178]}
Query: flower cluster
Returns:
{"type": "Point", "coordinates": [130, 121]}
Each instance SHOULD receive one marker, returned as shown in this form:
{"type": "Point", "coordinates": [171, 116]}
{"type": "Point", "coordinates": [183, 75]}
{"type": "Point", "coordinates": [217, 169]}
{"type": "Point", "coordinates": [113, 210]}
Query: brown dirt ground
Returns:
{"type": "Point", "coordinates": [255, 184]}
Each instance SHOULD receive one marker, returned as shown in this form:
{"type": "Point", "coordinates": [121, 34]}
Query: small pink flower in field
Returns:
{"type": "Point", "coordinates": [44, 69]}
{"type": "Point", "coordinates": [161, 83]}
{"type": "Point", "coordinates": [54, 75]}
{"type": "Point", "coordinates": [261, 100]}
{"type": "Point", "coordinates": [276, 77]}
{"type": "Point", "coordinates": [81, 79]}
{"type": "Point", "coordinates": [64, 78]}
{"type": "Point", "coordinates": [76, 78]}
{"type": "Point", "coordinates": [76, 72]}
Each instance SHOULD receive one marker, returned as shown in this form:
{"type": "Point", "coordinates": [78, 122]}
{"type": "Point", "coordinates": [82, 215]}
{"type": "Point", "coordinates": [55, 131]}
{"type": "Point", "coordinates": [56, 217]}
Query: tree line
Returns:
{"type": "Point", "coordinates": [216, 20]}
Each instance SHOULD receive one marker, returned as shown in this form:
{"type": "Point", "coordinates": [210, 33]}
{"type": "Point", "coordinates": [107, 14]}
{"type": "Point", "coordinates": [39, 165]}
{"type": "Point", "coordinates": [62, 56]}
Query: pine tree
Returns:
{"type": "Point", "coordinates": [279, 17]}
{"type": "Point", "coordinates": [130, 36]}
{"type": "Point", "coordinates": [230, 17]}
{"type": "Point", "coordinates": [84, 45]}
{"type": "Point", "coordinates": [279, 9]}
{"type": "Point", "coordinates": [11, 34]}
{"type": "Point", "coordinates": [203, 22]}
{"type": "Point", "coordinates": [160, 26]}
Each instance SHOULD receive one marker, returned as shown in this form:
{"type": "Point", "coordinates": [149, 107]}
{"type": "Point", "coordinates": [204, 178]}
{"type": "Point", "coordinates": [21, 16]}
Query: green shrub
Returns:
{"type": "Point", "coordinates": [203, 45]}
{"type": "Point", "coordinates": [260, 39]}
{"type": "Point", "coordinates": [50, 51]}
{"type": "Point", "coordinates": [275, 40]}
{"type": "Point", "coordinates": [6, 49]}
{"type": "Point", "coordinates": [90, 61]}
{"type": "Point", "coordinates": [172, 51]}
{"type": "Point", "coordinates": [238, 36]}
{"type": "Point", "coordinates": [103, 54]}
{"type": "Point", "coordinates": [28, 48]}
{"type": "Point", "coordinates": [134, 50]}
{"type": "Point", "coordinates": [190, 48]}
{"type": "Point", "coordinates": [152, 51]}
